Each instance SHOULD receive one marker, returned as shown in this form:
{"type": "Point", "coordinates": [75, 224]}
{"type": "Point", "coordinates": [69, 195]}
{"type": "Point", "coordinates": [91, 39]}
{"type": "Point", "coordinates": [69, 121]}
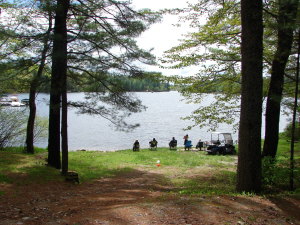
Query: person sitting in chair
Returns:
{"type": "Point", "coordinates": [199, 145]}
{"type": "Point", "coordinates": [188, 145]}
{"type": "Point", "coordinates": [136, 146]}
{"type": "Point", "coordinates": [173, 143]}
{"type": "Point", "coordinates": [153, 143]}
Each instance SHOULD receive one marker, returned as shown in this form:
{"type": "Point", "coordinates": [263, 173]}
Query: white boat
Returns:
{"type": "Point", "coordinates": [5, 100]}
{"type": "Point", "coordinates": [16, 104]}
{"type": "Point", "coordinates": [10, 101]}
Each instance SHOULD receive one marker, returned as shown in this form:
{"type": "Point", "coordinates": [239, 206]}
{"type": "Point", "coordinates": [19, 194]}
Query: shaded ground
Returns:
{"type": "Point", "coordinates": [137, 197]}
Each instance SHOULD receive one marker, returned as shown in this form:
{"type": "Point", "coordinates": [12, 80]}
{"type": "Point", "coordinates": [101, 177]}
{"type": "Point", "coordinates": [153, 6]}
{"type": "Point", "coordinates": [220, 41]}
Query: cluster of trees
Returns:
{"type": "Point", "coordinates": [147, 81]}
{"type": "Point", "coordinates": [150, 82]}
{"type": "Point", "coordinates": [249, 49]}
{"type": "Point", "coordinates": [82, 42]}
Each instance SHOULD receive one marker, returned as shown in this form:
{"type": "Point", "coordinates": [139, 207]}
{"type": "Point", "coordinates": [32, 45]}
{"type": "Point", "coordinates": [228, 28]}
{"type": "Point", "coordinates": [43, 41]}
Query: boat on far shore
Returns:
{"type": "Point", "coordinates": [13, 101]}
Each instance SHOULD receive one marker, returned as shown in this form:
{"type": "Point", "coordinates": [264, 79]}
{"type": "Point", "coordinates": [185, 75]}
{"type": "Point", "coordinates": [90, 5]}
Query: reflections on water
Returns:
{"type": "Point", "coordinates": [161, 120]}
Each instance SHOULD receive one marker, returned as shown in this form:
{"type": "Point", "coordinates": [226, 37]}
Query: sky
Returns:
{"type": "Point", "coordinates": [163, 35]}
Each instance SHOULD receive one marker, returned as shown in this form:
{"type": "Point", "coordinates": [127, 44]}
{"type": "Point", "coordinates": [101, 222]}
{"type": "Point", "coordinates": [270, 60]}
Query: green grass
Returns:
{"type": "Point", "coordinates": [19, 168]}
{"type": "Point", "coordinates": [91, 164]}
{"type": "Point", "coordinates": [277, 172]}
{"type": "Point", "coordinates": [21, 149]}
{"type": "Point", "coordinates": [220, 182]}
{"type": "Point", "coordinates": [187, 172]}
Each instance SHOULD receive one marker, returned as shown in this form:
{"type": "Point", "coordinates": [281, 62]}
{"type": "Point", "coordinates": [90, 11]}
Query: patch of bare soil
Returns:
{"type": "Point", "coordinates": [136, 198]}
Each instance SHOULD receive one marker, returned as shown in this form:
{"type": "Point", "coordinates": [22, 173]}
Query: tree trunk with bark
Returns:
{"type": "Point", "coordinates": [249, 158]}
{"type": "Point", "coordinates": [33, 89]}
{"type": "Point", "coordinates": [29, 148]}
{"type": "Point", "coordinates": [64, 133]}
{"type": "Point", "coordinates": [286, 25]}
{"type": "Point", "coordinates": [59, 68]}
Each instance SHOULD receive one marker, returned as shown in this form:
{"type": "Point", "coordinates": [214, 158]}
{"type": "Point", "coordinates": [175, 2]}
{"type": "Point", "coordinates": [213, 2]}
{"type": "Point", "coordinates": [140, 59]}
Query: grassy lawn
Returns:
{"type": "Point", "coordinates": [191, 172]}
{"type": "Point", "coordinates": [187, 172]}
{"type": "Point", "coordinates": [21, 169]}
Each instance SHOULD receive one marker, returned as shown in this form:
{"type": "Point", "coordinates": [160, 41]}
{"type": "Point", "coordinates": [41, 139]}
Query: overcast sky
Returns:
{"type": "Point", "coordinates": [162, 36]}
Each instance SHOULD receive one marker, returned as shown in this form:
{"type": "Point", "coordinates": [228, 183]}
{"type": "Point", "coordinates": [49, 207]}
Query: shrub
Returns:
{"type": "Point", "coordinates": [13, 122]}
{"type": "Point", "coordinates": [275, 172]}
{"type": "Point", "coordinates": [12, 125]}
{"type": "Point", "coordinates": [288, 131]}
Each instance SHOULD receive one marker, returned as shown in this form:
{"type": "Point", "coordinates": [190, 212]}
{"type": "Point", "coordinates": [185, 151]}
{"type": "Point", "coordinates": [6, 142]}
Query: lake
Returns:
{"type": "Point", "coordinates": [161, 120]}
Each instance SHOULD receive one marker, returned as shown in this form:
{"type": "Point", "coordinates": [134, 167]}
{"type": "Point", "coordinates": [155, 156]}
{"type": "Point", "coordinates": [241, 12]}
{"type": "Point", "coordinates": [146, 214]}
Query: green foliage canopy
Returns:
{"type": "Point", "coordinates": [214, 48]}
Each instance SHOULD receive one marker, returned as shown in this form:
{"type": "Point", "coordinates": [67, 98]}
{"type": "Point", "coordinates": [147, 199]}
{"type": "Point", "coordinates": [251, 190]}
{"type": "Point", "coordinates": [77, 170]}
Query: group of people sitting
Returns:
{"type": "Point", "coordinates": [172, 144]}
{"type": "Point", "coordinates": [152, 144]}
{"type": "Point", "coordinates": [188, 144]}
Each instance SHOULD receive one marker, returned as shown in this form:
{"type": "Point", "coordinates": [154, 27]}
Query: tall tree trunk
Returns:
{"type": "Point", "coordinates": [64, 130]}
{"type": "Point", "coordinates": [33, 88]}
{"type": "Point", "coordinates": [64, 124]}
{"type": "Point", "coordinates": [286, 22]}
{"type": "Point", "coordinates": [59, 68]}
{"type": "Point", "coordinates": [29, 148]}
{"type": "Point", "coordinates": [249, 158]}
{"type": "Point", "coordinates": [292, 161]}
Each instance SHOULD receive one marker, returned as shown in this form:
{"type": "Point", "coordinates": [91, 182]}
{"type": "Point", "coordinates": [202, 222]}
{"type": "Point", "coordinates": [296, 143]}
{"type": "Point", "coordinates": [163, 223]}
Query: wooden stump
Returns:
{"type": "Point", "coordinates": [72, 176]}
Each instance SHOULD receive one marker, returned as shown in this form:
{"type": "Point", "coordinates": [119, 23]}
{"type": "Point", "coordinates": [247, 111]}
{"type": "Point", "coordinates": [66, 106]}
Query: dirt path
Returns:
{"type": "Point", "coordinates": [136, 198]}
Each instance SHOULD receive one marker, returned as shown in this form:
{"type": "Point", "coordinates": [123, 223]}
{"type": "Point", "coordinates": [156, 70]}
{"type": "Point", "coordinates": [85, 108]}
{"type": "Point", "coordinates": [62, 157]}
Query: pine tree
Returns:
{"type": "Point", "coordinates": [249, 156]}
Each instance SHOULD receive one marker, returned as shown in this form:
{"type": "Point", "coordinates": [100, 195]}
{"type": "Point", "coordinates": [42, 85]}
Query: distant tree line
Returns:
{"type": "Point", "coordinates": [147, 81]}
{"type": "Point", "coordinates": [151, 81]}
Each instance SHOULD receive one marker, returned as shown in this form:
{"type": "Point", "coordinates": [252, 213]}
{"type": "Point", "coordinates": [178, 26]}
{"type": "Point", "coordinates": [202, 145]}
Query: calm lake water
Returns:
{"type": "Point", "coordinates": [161, 120]}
